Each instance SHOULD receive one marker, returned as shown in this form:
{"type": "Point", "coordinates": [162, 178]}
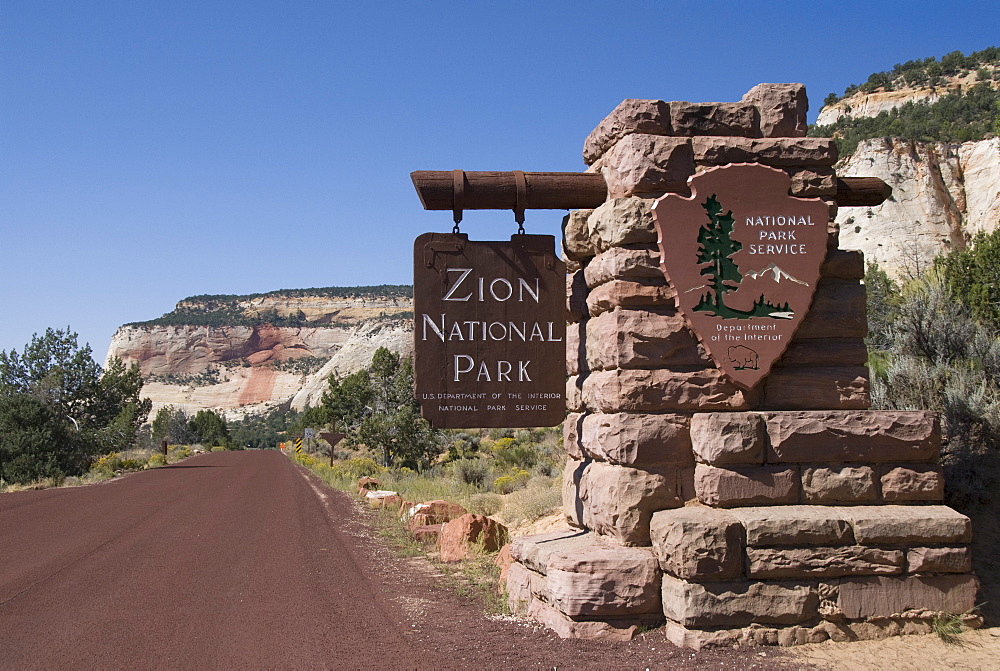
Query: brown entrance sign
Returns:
{"type": "Point", "coordinates": [744, 258]}
{"type": "Point", "coordinates": [489, 331]}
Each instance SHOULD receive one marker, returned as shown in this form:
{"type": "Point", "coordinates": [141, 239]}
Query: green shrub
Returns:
{"type": "Point", "coordinates": [35, 444]}
{"type": "Point", "coordinates": [511, 454]}
{"type": "Point", "coordinates": [178, 452]}
{"type": "Point", "coordinates": [506, 484]}
{"type": "Point", "coordinates": [942, 359]}
{"type": "Point", "coordinates": [486, 503]}
{"type": "Point", "coordinates": [541, 497]}
{"type": "Point", "coordinates": [973, 276]}
{"type": "Point", "coordinates": [107, 465]}
{"type": "Point", "coordinates": [360, 467]}
{"type": "Point", "coordinates": [464, 446]}
{"type": "Point", "coordinates": [475, 472]}
{"type": "Point", "coordinates": [157, 460]}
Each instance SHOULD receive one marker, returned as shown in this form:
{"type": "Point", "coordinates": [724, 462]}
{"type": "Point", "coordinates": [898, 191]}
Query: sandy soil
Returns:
{"type": "Point", "coordinates": [974, 650]}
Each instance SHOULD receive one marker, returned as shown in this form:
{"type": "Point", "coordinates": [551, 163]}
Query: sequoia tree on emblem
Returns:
{"type": "Point", "coordinates": [744, 258]}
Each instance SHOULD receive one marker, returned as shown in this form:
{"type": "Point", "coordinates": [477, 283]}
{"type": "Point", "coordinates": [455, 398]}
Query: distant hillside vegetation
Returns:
{"type": "Point", "coordinates": [962, 115]}
{"type": "Point", "coordinates": [232, 310]}
{"type": "Point", "coordinates": [928, 72]}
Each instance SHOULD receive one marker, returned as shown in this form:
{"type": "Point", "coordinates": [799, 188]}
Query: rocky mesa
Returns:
{"type": "Point", "coordinates": [244, 354]}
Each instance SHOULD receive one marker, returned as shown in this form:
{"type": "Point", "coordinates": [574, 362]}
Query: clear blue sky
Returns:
{"type": "Point", "coordinates": [151, 151]}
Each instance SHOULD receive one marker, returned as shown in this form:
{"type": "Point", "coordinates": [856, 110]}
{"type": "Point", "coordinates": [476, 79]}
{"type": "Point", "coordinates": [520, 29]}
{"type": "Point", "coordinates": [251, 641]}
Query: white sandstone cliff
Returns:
{"type": "Point", "coordinates": [942, 195]}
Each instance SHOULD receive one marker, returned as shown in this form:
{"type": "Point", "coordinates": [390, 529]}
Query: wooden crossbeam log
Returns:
{"type": "Point", "coordinates": [493, 190]}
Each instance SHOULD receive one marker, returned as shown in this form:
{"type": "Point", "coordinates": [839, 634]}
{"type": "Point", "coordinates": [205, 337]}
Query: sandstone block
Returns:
{"type": "Point", "coordinates": [649, 165]}
{"type": "Point", "coordinates": [884, 628]}
{"type": "Point", "coordinates": [938, 560]}
{"type": "Point", "coordinates": [576, 354]}
{"type": "Point", "coordinates": [874, 436]}
{"type": "Point", "coordinates": [782, 109]}
{"type": "Point", "coordinates": [424, 532]}
{"type": "Point", "coordinates": [572, 427]}
{"type": "Point", "coordinates": [463, 536]}
{"type": "Point", "coordinates": [843, 264]}
{"type": "Point", "coordinates": [635, 439]}
{"type": "Point", "coordinates": [794, 525]}
{"type": "Point", "coordinates": [383, 498]}
{"type": "Point", "coordinates": [814, 387]}
{"type": "Point", "coordinates": [832, 226]}
{"type": "Point", "coordinates": [651, 117]}
{"type": "Point", "coordinates": [619, 501]}
{"type": "Point", "coordinates": [912, 483]}
{"type": "Point", "coordinates": [823, 562]}
{"type": "Point", "coordinates": [534, 551]}
{"type": "Point", "coordinates": [574, 393]}
{"type": "Point", "coordinates": [825, 352]}
{"type": "Point", "coordinates": [660, 390]}
{"type": "Point", "coordinates": [576, 242]}
{"type": "Point", "coordinates": [838, 311]}
{"type": "Point", "coordinates": [641, 339]}
{"type": "Point", "coordinates": [734, 119]}
{"type": "Point", "coordinates": [839, 484]}
{"type": "Point", "coordinates": [685, 475]}
{"type": "Point", "coordinates": [882, 596]}
{"type": "Point", "coordinates": [621, 263]}
{"type": "Point", "coordinates": [625, 294]}
{"type": "Point", "coordinates": [603, 629]}
{"type": "Point", "coordinates": [437, 511]}
{"type": "Point", "coordinates": [503, 561]}
{"type": "Point", "coordinates": [762, 485]}
{"type": "Point", "coordinates": [622, 221]}
{"type": "Point", "coordinates": [812, 183]}
{"type": "Point", "coordinates": [572, 491]}
{"type": "Point", "coordinates": [907, 525]}
{"type": "Point", "coordinates": [576, 297]}
{"type": "Point", "coordinates": [519, 587]}
{"type": "Point", "coordinates": [698, 544]}
{"type": "Point", "coordinates": [367, 484]}
{"type": "Point", "coordinates": [777, 152]}
{"type": "Point", "coordinates": [729, 604]}
{"type": "Point", "coordinates": [727, 438]}
{"type": "Point", "coordinates": [599, 580]}
{"type": "Point", "coordinates": [699, 639]}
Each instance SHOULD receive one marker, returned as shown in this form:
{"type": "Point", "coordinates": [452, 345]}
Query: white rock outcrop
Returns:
{"type": "Point", "coordinates": [862, 104]}
{"type": "Point", "coordinates": [873, 104]}
{"type": "Point", "coordinates": [240, 369]}
{"type": "Point", "coordinates": [189, 350]}
{"type": "Point", "coordinates": [356, 354]}
{"type": "Point", "coordinates": [943, 194]}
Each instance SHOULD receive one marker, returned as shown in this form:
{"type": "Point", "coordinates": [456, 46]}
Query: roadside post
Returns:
{"type": "Point", "coordinates": [332, 437]}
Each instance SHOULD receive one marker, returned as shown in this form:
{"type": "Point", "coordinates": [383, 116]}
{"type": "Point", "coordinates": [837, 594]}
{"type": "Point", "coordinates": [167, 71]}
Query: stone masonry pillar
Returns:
{"type": "Point", "coordinates": [789, 513]}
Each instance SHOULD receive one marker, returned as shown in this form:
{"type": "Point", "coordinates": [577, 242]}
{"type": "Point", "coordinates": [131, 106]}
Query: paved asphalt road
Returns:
{"type": "Point", "coordinates": [227, 560]}
{"type": "Point", "coordinates": [239, 560]}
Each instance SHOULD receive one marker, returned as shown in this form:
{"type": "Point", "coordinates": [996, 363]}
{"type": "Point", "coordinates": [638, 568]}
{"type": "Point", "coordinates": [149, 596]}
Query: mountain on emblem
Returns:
{"type": "Point", "coordinates": [777, 274]}
{"type": "Point", "coordinates": [744, 259]}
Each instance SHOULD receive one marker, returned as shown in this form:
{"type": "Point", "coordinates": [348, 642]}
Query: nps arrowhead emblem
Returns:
{"type": "Point", "coordinates": [744, 258]}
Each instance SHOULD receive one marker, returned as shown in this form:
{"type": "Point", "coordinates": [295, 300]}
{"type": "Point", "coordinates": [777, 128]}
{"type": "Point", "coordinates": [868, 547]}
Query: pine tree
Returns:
{"type": "Point", "coordinates": [717, 248]}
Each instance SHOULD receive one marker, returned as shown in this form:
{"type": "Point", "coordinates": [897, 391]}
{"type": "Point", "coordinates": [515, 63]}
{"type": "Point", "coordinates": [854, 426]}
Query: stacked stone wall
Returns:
{"type": "Point", "coordinates": [786, 513]}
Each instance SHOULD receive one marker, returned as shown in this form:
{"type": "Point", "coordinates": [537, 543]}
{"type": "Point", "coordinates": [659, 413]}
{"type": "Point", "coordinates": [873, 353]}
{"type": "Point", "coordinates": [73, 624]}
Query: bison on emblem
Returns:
{"type": "Point", "coordinates": [743, 358]}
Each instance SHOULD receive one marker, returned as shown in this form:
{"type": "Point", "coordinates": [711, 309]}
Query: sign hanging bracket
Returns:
{"type": "Point", "coordinates": [458, 197]}
{"type": "Point", "coordinates": [521, 200]}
